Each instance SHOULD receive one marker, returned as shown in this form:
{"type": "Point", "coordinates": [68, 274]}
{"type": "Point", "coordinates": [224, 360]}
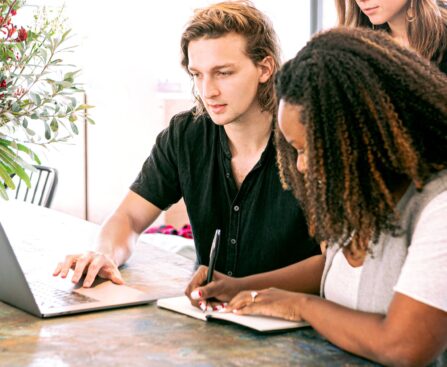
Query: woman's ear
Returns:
{"type": "Point", "coordinates": [266, 68]}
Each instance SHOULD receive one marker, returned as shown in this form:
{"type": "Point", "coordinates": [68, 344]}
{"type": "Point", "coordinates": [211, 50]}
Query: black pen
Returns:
{"type": "Point", "coordinates": [213, 256]}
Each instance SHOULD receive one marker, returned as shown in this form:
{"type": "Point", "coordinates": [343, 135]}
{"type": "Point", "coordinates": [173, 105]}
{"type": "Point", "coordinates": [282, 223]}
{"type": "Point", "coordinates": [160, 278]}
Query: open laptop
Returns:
{"type": "Point", "coordinates": [34, 289]}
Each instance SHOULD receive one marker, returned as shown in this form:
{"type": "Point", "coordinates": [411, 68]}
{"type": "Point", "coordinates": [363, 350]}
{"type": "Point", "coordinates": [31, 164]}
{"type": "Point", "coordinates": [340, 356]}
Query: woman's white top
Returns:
{"type": "Point", "coordinates": [342, 282]}
{"type": "Point", "coordinates": [424, 273]}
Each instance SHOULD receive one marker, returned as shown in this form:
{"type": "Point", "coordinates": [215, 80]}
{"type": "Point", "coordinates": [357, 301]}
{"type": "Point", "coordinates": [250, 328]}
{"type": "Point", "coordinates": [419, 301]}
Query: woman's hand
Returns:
{"type": "Point", "coordinates": [213, 295]}
{"type": "Point", "coordinates": [268, 302]}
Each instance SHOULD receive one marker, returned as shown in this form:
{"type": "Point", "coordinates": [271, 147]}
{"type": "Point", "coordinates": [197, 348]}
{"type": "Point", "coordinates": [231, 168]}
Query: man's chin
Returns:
{"type": "Point", "coordinates": [219, 119]}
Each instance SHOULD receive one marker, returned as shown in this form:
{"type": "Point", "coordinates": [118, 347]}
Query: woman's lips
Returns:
{"type": "Point", "coordinates": [369, 11]}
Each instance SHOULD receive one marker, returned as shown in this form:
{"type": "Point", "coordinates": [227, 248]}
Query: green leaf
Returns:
{"type": "Point", "coordinates": [54, 125]}
{"type": "Point", "coordinates": [74, 128]}
{"type": "Point", "coordinates": [16, 107]}
{"type": "Point", "coordinates": [30, 132]}
{"type": "Point", "coordinates": [47, 131]}
{"type": "Point", "coordinates": [15, 163]}
{"type": "Point", "coordinates": [3, 193]}
{"type": "Point", "coordinates": [64, 36]}
{"type": "Point", "coordinates": [84, 107]}
{"type": "Point", "coordinates": [35, 98]}
{"type": "Point", "coordinates": [73, 101]}
{"type": "Point", "coordinates": [6, 179]}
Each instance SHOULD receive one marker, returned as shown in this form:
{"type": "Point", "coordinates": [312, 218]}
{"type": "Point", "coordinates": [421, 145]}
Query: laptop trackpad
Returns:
{"type": "Point", "coordinates": [107, 291]}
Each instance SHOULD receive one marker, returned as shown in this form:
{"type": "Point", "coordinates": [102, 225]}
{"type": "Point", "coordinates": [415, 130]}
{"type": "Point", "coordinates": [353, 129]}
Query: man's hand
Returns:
{"type": "Point", "coordinates": [92, 264]}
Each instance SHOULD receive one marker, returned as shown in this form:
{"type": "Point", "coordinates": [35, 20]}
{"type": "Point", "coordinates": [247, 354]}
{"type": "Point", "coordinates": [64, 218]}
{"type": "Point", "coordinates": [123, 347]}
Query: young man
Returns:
{"type": "Point", "coordinates": [219, 157]}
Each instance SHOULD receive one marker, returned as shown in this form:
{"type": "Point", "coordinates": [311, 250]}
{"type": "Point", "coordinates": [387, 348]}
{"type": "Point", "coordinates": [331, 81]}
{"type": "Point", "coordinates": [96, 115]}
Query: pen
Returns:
{"type": "Point", "coordinates": [213, 256]}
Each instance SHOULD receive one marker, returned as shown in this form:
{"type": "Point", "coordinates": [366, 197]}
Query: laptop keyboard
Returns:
{"type": "Point", "coordinates": [54, 298]}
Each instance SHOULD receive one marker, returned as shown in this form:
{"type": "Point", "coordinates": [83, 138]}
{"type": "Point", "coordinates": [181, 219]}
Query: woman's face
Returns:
{"type": "Point", "coordinates": [289, 120]}
{"type": "Point", "coordinates": [383, 11]}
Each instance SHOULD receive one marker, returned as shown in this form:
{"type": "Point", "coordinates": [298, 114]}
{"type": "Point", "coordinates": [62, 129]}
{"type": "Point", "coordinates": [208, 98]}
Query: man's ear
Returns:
{"type": "Point", "coordinates": [266, 68]}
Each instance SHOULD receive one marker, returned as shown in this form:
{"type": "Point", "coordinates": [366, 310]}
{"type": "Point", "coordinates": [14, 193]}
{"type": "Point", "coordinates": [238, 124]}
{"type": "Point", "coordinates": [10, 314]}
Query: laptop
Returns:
{"type": "Point", "coordinates": [34, 289]}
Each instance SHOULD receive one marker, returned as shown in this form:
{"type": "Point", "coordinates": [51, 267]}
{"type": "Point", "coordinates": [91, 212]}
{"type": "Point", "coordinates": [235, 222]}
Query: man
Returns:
{"type": "Point", "coordinates": [219, 157]}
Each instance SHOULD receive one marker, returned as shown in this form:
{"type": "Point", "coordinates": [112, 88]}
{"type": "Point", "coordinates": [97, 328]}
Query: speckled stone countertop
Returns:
{"type": "Point", "coordinates": [148, 336]}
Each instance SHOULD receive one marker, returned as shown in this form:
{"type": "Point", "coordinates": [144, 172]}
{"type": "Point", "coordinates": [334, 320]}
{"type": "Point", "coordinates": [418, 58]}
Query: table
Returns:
{"type": "Point", "coordinates": [145, 335]}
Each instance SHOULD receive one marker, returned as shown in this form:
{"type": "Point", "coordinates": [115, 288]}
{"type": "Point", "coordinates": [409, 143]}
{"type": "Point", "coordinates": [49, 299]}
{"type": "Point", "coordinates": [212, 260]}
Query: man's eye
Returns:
{"type": "Point", "coordinates": [224, 73]}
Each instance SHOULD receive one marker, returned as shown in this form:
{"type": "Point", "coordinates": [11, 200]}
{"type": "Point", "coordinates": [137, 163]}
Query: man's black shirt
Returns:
{"type": "Point", "coordinates": [263, 227]}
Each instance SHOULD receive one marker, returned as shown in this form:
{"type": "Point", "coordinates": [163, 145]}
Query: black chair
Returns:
{"type": "Point", "coordinates": [43, 185]}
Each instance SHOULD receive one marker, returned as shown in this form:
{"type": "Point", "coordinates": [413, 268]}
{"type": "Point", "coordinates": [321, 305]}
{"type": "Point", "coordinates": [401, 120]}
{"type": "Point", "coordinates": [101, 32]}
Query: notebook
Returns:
{"type": "Point", "coordinates": [262, 324]}
{"type": "Point", "coordinates": [33, 289]}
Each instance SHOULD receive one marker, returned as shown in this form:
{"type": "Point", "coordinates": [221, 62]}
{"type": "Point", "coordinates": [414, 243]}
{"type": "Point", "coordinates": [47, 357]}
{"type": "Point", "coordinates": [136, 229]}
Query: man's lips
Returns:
{"type": "Point", "coordinates": [217, 107]}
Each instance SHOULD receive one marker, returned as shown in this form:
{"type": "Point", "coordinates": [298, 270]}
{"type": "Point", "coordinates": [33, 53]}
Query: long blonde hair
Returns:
{"type": "Point", "coordinates": [427, 34]}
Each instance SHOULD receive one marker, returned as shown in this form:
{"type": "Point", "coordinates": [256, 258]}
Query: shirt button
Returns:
{"type": "Point", "coordinates": [227, 175]}
{"type": "Point", "coordinates": [236, 208]}
{"type": "Point", "coordinates": [230, 273]}
{"type": "Point", "coordinates": [233, 241]}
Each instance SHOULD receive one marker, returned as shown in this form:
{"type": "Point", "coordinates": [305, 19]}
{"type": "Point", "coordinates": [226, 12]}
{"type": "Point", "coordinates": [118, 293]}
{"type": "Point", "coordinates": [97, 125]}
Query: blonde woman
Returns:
{"type": "Point", "coordinates": [417, 24]}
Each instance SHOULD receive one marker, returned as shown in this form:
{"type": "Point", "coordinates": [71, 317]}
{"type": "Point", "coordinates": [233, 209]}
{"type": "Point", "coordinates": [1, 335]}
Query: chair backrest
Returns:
{"type": "Point", "coordinates": [43, 185]}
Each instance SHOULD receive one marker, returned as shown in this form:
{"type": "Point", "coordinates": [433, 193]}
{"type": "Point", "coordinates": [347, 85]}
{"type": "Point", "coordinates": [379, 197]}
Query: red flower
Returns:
{"type": "Point", "coordinates": [22, 35]}
{"type": "Point", "coordinates": [3, 84]}
{"type": "Point", "coordinates": [11, 30]}
{"type": "Point", "coordinates": [13, 12]}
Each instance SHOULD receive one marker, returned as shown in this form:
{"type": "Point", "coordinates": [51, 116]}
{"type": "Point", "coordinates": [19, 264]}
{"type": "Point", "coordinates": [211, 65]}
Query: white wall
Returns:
{"type": "Point", "coordinates": [125, 51]}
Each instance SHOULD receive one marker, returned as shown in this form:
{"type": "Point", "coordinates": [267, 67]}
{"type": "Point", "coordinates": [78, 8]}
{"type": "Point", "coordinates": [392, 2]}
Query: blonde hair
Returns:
{"type": "Point", "coordinates": [427, 34]}
{"type": "Point", "coordinates": [242, 18]}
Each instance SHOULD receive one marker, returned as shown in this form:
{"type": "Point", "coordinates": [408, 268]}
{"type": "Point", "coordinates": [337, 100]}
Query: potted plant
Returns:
{"type": "Point", "coordinates": [39, 95]}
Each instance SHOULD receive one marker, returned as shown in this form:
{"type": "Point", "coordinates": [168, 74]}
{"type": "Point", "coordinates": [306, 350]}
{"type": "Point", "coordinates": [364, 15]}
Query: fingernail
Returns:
{"type": "Point", "coordinates": [196, 294]}
{"type": "Point", "coordinates": [235, 311]}
{"type": "Point", "coordinates": [225, 304]}
{"type": "Point", "coordinates": [209, 308]}
{"type": "Point", "coordinates": [203, 306]}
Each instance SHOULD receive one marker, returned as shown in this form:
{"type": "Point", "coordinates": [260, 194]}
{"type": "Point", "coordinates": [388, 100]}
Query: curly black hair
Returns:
{"type": "Point", "coordinates": [376, 117]}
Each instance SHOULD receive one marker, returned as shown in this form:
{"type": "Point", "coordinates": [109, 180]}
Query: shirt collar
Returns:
{"type": "Point", "coordinates": [226, 148]}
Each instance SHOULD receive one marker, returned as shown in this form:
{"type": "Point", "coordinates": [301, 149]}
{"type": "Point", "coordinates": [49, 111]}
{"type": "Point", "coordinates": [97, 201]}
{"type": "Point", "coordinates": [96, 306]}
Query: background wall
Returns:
{"type": "Point", "coordinates": [130, 61]}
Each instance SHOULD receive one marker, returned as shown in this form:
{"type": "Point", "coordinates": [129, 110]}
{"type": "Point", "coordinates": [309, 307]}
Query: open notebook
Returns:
{"type": "Point", "coordinates": [259, 323]}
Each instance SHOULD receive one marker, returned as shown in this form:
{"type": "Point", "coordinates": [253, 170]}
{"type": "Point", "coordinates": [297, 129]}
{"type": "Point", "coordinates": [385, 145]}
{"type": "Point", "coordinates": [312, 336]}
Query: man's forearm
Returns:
{"type": "Point", "coordinates": [117, 239]}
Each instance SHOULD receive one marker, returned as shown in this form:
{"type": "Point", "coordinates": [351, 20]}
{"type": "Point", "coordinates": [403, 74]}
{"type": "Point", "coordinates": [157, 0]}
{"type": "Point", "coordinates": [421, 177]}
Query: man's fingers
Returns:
{"type": "Point", "coordinates": [116, 277]}
{"type": "Point", "coordinates": [58, 269]}
{"type": "Point", "coordinates": [65, 267]}
{"type": "Point", "coordinates": [81, 264]}
{"type": "Point", "coordinates": [94, 267]}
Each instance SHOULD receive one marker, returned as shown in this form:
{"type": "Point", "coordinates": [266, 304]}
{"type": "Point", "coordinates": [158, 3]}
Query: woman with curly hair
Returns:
{"type": "Point", "coordinates": [363, 146]}
{"type": "Point", "coordinates": [417, 24]}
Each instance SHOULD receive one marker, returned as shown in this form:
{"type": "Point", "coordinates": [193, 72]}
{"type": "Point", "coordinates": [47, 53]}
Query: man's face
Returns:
{"type": "Point", "coordinates": [225, 77]}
